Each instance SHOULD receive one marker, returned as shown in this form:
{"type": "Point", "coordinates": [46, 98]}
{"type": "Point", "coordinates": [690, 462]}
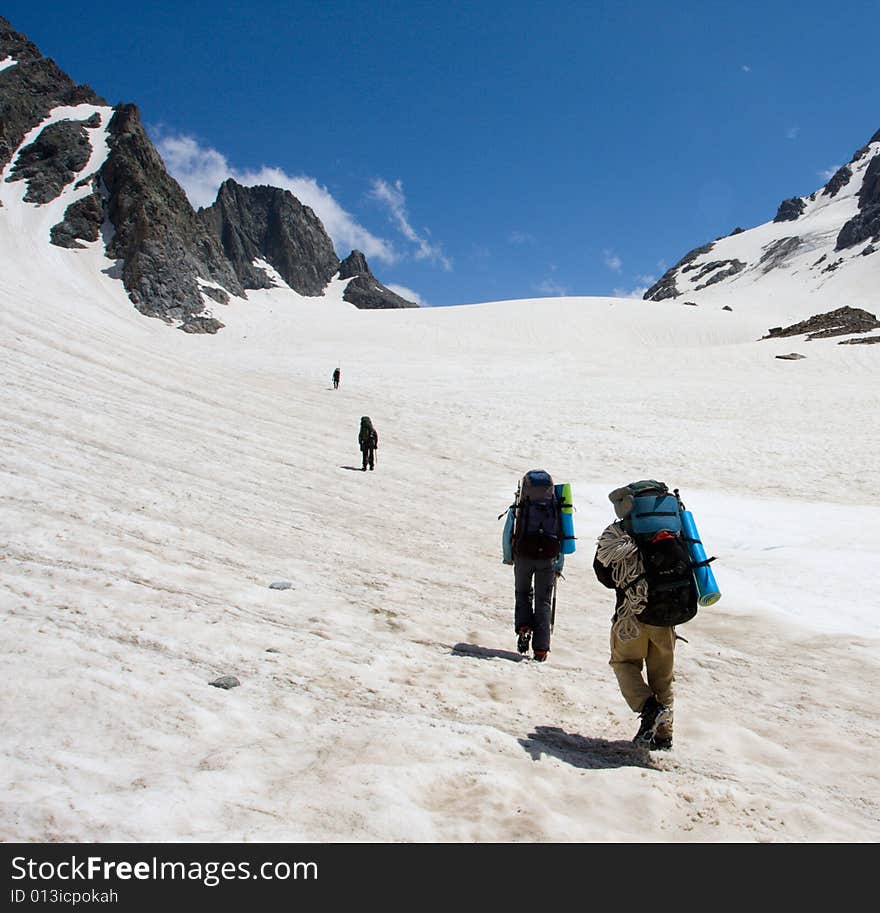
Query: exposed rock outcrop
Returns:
{"type": "Point", "coordinates": [82, 221]}
{"type": "Point", "coordinates": [777, 252]}
{"type": "Point", "coordinates": [790, 209]}
{"type": "Point", "coordinates": [365, 290]}
{"type": "Point", "coordinates": [842, 321]}
{"type": "Point", "coordinates": [53, 159]}
{"type": "Point", "coordinates": [866, 223]}
{"type": "Point", "coordinates": [164, 246]}
{"type": "Point", "coordinates": [838, 181]}
{"type": "Point", "coordinates": [665, 286]}
{"type": "Point", "coordinates": [31, 89]}
{"type": "Point", "coordinates": [271, 224]}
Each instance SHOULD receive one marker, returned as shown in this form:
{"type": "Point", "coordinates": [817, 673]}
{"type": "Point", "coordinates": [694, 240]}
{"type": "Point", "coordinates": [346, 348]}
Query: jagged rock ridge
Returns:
{"type": "Point", "coordinates": [169, 257]}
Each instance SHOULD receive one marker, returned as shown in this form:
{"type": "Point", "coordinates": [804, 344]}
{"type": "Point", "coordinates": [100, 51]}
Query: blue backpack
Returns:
{"type": "Point", "coordinates": [654, 522]}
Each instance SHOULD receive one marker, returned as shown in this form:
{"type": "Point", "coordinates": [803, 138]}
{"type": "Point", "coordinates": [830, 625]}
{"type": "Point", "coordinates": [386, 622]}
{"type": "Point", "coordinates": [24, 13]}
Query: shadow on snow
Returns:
{"type": "Point", "coordinates": [486, 652]}
{"type": "Point", "coordinates": [581, 751]}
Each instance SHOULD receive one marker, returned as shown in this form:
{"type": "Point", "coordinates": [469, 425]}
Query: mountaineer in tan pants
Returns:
{"type": "Point", "coordinates": [654, 649]}
{"type": "Point", "coordinates": [643, 598]}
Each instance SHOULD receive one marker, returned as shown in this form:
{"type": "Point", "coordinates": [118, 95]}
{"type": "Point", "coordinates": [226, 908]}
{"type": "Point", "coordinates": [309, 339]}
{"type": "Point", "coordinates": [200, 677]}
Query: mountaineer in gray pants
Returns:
{"type": "Point", "coordinates": [533, 602]}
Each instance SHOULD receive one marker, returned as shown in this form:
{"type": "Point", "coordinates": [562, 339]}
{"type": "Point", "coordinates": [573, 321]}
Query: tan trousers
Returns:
{"type": "Point", "coordinates": [655, 648]}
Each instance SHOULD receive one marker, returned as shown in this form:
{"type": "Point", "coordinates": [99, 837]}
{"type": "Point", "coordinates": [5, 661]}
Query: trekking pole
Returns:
{"type": "Point", "coordinates": [553, 607]}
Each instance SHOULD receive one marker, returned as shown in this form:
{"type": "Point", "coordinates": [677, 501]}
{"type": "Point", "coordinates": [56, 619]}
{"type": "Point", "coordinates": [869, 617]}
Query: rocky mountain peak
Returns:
{"type": "Point", "coordinates": [271, 224]}
{"type": "Point", "coordinates": [169, 257]}
{"type": "Point", "coordinates": [355, 264]}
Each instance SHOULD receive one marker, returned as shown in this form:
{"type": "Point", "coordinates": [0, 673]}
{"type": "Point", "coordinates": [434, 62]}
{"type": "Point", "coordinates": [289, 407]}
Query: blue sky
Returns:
{"type": "Point", "coordinates": [487, 150]}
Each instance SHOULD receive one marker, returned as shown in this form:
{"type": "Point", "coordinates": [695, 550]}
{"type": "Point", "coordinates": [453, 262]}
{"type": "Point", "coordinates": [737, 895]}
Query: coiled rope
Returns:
{"type": "Point", "coordinates": [619, 552]}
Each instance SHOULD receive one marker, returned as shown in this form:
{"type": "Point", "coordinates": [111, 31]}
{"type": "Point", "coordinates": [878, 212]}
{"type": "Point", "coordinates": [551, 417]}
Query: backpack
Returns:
{"type": "Point", "coordinates": [654, 522]}
{"type": "Point", "coordinates": [537, 528]}
{"type": "Point", "coordinates": [367, 436]}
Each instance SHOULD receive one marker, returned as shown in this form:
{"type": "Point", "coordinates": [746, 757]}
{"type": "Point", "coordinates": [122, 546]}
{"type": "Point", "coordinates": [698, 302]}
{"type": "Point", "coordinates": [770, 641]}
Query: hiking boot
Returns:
{"type": "Point", "coordinates": [653, 715]}
{"type": "Point", "coordinates": [541, 656]}
{"type": "Point", "coordinates": [525, 636]}
{"type": "Point", "coordinates": [661, 743]}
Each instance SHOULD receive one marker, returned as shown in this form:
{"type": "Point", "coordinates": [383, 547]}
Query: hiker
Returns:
{"type": "Point", "coordinates": [532, 543]}
{"type": "Point", "coordinates": [368, 440]}
{"type": "Point", "coordinates": [336, 378]}
{"type": "Point", "coordinates": [643, 557]}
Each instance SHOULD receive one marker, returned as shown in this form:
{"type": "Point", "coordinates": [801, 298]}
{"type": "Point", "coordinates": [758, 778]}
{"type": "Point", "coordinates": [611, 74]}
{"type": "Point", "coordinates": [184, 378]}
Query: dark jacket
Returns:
{"type": "Point", "coordinates": [368, 437]}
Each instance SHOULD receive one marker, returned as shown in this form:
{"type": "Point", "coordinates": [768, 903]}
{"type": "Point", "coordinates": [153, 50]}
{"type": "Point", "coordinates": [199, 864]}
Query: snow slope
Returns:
{"type": "Point", "coordinates": [155, 483]}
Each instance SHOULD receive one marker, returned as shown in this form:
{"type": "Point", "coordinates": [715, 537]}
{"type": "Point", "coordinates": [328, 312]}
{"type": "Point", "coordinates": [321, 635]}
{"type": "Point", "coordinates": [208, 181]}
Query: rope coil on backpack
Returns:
{"type": "Point", "coordinates": [618, 551]}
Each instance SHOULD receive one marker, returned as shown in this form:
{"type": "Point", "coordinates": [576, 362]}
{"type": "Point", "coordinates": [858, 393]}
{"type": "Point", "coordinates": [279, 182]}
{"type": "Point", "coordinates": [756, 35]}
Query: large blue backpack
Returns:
{"type": "Point", "coordinates": [654, 522]}
{"type": "Point", "coordinates": [537, 529]}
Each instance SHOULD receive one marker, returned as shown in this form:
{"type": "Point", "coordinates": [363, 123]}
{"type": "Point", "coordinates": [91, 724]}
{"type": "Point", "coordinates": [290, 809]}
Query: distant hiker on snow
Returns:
{"type": "Point", "coordinates": [336, 379]}
{"type": "Point", "coordinates": [532, 543]}
{"type": "Point", "coordinates": [368, 439]}
{"type": "Point", "coordinates": [643, 556]}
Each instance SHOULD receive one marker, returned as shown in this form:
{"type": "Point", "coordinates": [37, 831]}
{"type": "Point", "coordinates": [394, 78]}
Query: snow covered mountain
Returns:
{"type": "Point", "coordinates": [95, 175]}
{"type": "Point", "coordinates": [829, 241]}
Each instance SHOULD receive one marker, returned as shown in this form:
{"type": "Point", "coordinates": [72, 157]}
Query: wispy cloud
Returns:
{"type": "Point", "coordinates": [200, 170]}
{"type": "Point", "coordinates": [611, 260]}
{"type": "Point", "coordinates": [746, 68]}
{"type": "Point", "coordinates": [550, 288]}
{"type": "Point", "coordinates": [792, 132]}
{"type": "Point", "coordinates": [393, 198]}
{"type": "Point", "coordinates": [409, 294]}
{"type": "Point", "coordinates": [828, 173]}
{"type": "Point", "coordinates": [637, 292]}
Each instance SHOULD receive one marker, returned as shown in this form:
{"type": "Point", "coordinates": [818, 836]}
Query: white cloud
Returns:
{"type": "Point", "coordinates": [201, 170]}
{"type": "Point", "coordinates": [611, 260]}
{"type": "Point", "coordinates": [792, 132]}
{"type": "Point", "coordinates": [409, 294]}
{"type": "Point", "coordinates": [638, 292]}
{"type": "Point", "coordinates": [550, 288]}
{"type": "Point", "coordinates": [746, 68]}
{"type": "Point", "coordinates": [392, 197]}
{"type": "Point", "coordinates": [828, 173]}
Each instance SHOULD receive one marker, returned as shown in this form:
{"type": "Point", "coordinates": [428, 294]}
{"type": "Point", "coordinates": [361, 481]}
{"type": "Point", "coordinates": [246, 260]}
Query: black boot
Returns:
{"type": "Point", "coordinates": [522, 642]}
{"type": "Point", "coordinates": [653, 714]}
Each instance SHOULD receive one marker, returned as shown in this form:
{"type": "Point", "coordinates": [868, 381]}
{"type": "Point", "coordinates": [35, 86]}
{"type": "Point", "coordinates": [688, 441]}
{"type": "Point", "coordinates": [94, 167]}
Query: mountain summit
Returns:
{"type": "Point", "coordinates": [813, 240]}
{"type": "Point", "coordinates": [96, 174]}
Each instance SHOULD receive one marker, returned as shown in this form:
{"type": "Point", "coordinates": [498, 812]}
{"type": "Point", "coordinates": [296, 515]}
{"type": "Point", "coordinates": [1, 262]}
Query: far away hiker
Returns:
{"type": "Point", "coordinates": [643, 556]}
{"type": "Point", "coordinates": [532, 543]}
{"type": "Point", "coordinates": [368, 440]}
{"type": "Point", "coordinates": [336, 379]}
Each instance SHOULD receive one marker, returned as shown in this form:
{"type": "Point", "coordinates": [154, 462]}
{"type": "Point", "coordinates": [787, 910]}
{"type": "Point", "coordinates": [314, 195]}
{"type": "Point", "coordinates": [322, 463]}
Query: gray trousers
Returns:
{"type": "Point", "coordinates": [533, 603]}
